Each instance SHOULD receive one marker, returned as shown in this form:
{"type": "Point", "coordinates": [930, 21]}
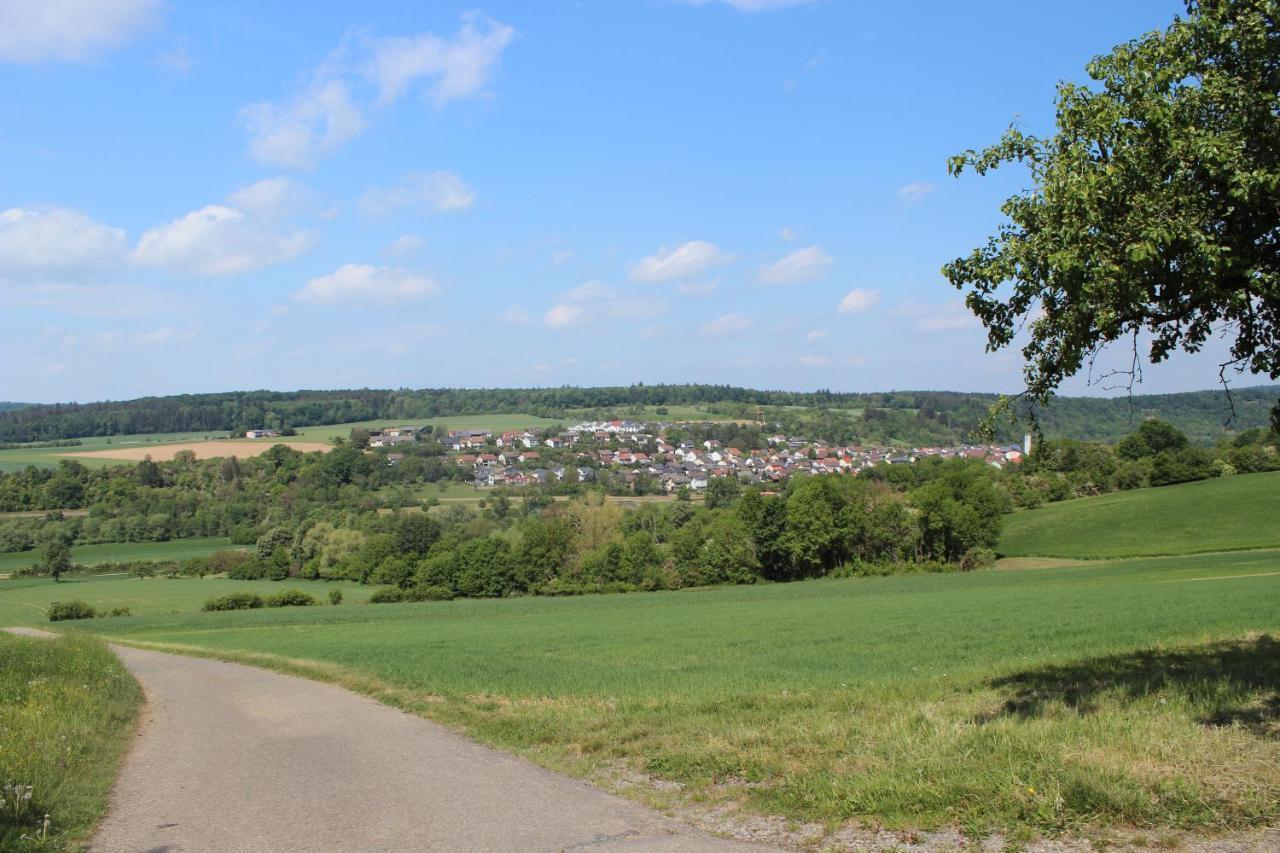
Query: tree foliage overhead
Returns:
{"type": "Point", "coordinates": [1155, 207]}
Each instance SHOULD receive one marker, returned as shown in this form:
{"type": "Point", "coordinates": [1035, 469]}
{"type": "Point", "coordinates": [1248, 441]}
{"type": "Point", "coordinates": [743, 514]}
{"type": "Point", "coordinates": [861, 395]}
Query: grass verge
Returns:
{"type": "Point", "coordinates": [68, 709]}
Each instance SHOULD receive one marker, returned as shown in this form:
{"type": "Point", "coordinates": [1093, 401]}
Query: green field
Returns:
{"type": "Point", "coordinates": [1132, 692]}
{"type": "Point", "coordinates": [119, 552]}
{"type": "Point", "coordinates": [65, 721]}
{"type": "Point", "coordinates": [23, 600]}
{"type": "Point", "coordinates": [1210, 515]}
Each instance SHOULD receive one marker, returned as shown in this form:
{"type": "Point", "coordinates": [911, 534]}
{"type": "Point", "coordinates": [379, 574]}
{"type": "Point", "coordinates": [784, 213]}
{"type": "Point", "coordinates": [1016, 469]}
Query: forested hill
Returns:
{"type": "Point", "coordinates": [8, 407]}
{"type": "Point", "coordinates": [918, 417]}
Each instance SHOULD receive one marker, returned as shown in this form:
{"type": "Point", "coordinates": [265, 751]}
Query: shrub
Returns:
{"type": "Point", "coordinates": [335, 596]}
{"type": "Point", "coordinates": [60, 611]}
{"type": "Point", "coordinates": [234, 601]}
{"type": "Point", "coordinates": [119, 611]}
{"type": "Point", "coordinates": [977, 558]}
{"type": "Point", "coordinates": [433, 592]}
{"type": "Point", "coordinates": [390, 595]}
{"type": "Point", "coordinates": [289, 598]}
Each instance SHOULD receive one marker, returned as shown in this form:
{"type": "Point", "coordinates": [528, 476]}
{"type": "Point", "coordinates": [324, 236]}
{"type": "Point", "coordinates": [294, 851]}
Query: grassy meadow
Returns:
{"type": "Point", "coordinates": [23, 601]}
{"type": "Point", "coordinates": [116, 552]}
{"type": "Point", "coordinates": [67, 713]}
{"type": "Point", "coordinates": [1210, 515]}
{"type": "Point", "coordinates": [1130, 693]}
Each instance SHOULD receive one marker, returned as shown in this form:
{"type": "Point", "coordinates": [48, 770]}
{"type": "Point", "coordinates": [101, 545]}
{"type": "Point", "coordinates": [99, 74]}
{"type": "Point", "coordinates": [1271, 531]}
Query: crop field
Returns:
{"type": "Point", "coordinates": [114, 552]}
{"type": "Point", "coordinates": [112, 450]}
{"type": "Point", "coordinates": [23, 600]}
{"type": "Point", "coordinates": [1210, 515]}
{"type": "Point", "coordinates": [1126, 692]}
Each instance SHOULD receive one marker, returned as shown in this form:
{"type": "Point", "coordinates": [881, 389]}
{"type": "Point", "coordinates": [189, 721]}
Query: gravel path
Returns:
{"type": "Point", "coordinates": [234, 758]}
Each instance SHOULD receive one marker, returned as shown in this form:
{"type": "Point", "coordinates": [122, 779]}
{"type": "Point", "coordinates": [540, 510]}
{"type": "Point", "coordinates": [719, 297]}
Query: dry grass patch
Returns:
{"type": "Point", "coordinates": [202, 450]}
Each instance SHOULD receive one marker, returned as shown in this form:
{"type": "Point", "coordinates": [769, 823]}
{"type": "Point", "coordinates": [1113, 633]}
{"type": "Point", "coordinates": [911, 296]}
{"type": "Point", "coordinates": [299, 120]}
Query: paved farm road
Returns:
{"type": "Point", "coordinates": [234, 758]}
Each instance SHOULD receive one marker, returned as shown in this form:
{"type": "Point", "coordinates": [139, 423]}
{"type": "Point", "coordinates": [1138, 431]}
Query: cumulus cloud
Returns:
{"type": "Point", "coordinates": [915, 192]}
{"type": "Point", "coordinates": [456, 67]}
{"type": "Point", "coordinates": [437, 192]}
{"type": "Point", "coordinates": [405, 244]}
{"type": "Point", "coordinates": [297, 131]}
{"type": "Point", "coordinates": [271, 195]}
{"type": "Point", "coordinates": [858, 301]}
{"type": "Point", "coordinates": [729, 324]}
{"type": "Point", "coordinates": [801, 265]}
{"type": "Point", "coordinates": [815, 336]}
{"type": "Point", "coordinates": [55, 241]}
{"type": "Point", "coordinates": [35, 31]}
{"type": "Point", "coordinates": [367, 284]}
{"type": "Point", "coordinates": [296, 134]}
{"type": "Point", "coordinates": [684, 260]}
{"type": "Point", "coordinates": [219, 240]}
{"type": "Point", "coordinates": [595, 302]}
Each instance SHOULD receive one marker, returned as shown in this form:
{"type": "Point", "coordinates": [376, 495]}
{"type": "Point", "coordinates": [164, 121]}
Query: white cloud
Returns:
{"type": "Point", "coordinates": [368, 284]}
{"type": "Point", "coordinates": [56, 367]}
{"type": "Point", "coordinates": [563, 316]}
{"type": "Point", "coordinates": [858, 301]}
{"type": "Point", "coordinates": [684, 260]}
{"type": "Point", "coordinates": [815, 336]}
{"type": "Point", "coordinates": [457, 67]}
{"type": "Point", "coordinates": [801, 265]}
{"type": "Point", "coordinates": [57, 240]}
{"type": "Point", "coordinates": [403, 245]}
{"type": "Point", "coordinates": [915, 192]}
{"type": "Point", "coordinates": [296, 131]}
{"type": "Point", "coordinates": [219, 240]}
{"type": "Point", "coordinates": [752, 5]}
{"type": "Point", "coordinates": [562, 257]}
{"type": "Point", "coordinates": [271, 195]}
{"type": "Point", "coordinates": [787, 233]}
{"type": "Point", "coordinates": [815, 360]}
{"type": "Point", "coordinates": [318, 121]}
{"type": "Point", "coordinates": [436, 192]}
{"type": "Point", "coordinates": [34, 31]}
{"type": "Point", "coordinates": [698, 288]}
{"type": "Point", "coordinates": [156, 337]}
{"type": "Point", "coordinates": [729, 324]}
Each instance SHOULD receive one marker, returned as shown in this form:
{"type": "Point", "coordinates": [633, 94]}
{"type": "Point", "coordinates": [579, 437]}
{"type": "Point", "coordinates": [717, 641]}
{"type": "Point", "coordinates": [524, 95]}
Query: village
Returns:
{"type": "Point", "coordinates": [644, 457]}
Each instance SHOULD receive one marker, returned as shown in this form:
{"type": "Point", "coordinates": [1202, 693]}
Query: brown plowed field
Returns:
{"type": "Point", "coordinates": [202, 450]}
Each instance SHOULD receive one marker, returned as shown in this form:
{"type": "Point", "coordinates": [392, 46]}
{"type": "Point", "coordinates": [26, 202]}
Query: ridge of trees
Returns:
{"type": "Point", "coordinates": [918, 417]}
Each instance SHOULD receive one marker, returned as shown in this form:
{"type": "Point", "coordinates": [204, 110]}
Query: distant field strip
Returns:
{"type": "Point", "coordinates": [202, 450]}
{"type": "Point", "coordinates": [90, 555]}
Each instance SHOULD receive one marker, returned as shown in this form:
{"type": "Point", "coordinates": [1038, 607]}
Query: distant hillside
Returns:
{"type": "Point", "coordinates": [9, 407]}
{"type": "Point", "coordinates": [1224, 514]}
{"type": "Point", "coordinates": [904, 417]}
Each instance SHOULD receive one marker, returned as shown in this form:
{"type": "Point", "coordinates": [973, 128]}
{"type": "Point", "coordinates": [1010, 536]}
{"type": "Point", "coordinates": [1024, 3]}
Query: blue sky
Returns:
{"type": "Point", "coordinates": [200, 197]}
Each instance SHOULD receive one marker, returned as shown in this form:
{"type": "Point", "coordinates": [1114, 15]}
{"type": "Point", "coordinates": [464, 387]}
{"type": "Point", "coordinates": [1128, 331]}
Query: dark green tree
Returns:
{"type": "Point", "coordinates": [1153, 213]}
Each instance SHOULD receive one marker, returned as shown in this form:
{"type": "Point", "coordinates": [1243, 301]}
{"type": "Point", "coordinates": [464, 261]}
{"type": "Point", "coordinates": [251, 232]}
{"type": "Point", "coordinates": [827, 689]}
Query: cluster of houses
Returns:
{"type": "Point", "coordinates": [510, 458]}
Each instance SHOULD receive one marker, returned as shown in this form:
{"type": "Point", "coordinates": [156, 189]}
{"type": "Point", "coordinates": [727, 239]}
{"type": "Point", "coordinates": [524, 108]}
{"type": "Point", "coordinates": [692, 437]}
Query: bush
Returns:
{"type": "Point", "coordinates": [289, 598]}
{"type": "Point", "coordinates": [390, 595]}
{"type": "Point", "coordinates": [433, 592]}
{"type": "Point", "coordinates": [335, 596]}
{"type": "Point", "coordinates": [977, 558]}
{"type": "Point", "coordinates": [118, 611]}
{"type": "Point", "coordinates": [60, 611]}
{"type": "Point", "coordinates": [234, 601]}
